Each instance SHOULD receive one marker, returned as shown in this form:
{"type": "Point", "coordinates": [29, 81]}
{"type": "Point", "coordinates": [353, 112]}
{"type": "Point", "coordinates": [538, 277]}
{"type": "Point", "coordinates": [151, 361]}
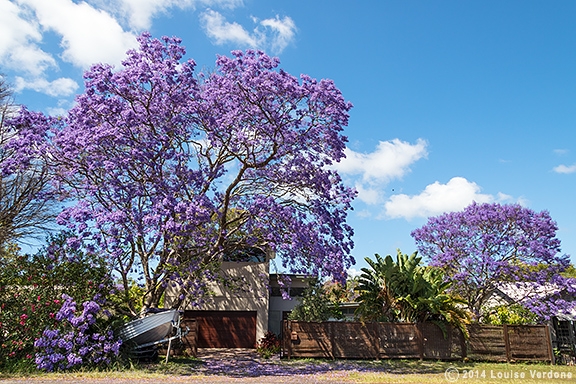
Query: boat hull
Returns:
{"type": "Point", "coordinates": [150, 329]}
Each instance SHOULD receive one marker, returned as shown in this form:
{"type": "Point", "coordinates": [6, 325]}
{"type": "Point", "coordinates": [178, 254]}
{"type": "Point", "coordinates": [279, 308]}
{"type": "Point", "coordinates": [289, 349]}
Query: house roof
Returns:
{"type": "Point", "coordinates": [519, 292]}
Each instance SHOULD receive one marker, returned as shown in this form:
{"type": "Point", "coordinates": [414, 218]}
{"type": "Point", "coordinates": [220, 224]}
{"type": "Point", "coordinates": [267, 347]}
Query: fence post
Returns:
{"type": "Point", "coordinates": [375, 332]}
{"type": "Point", "coordinates": [287, 337]}
{"type": "Point", "coordinates": [507, 342]}
{"type": "Point", "coordinates": [463, 342]}
{"type": "Point", "coordinates": [420, 336]}
{"type": "Point", "coordinates": [331, 337]}
{"type": "Point", "coordinates": [549, 342]}
{"type": "Point", "coordinates": [195, 338]}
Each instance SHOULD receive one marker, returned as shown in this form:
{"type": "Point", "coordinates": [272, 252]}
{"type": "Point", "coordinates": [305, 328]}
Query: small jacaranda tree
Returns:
{"type": "Point", "coordinates": [486, 246]}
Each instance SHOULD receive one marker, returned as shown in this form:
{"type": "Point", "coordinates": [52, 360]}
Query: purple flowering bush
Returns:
{"type": "Point", "coordinates": [78, 339]}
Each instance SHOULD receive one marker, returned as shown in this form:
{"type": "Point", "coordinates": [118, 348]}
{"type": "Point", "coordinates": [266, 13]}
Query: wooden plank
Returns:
{"type": "Point", "coordinates": [351, 340]}
{"type": "Point", "coordinates": [437, 343]}
{"type": "Point", "coordinates": [528, 343]}
{"type": "Point", "coordinates": [549, 342]}
{"type": "Point", "coordinates": [286, 335]}
{"type": "Point", "coordinates": [190, 341]}
{"type": "Point", "coordinates": [398, 340]}
{"type": "Point", "coordinates": [507, 343]}
{"type": "Point", "coordinates": [486, 343]}
{"type": "Point", "coordinates": [311, 339]}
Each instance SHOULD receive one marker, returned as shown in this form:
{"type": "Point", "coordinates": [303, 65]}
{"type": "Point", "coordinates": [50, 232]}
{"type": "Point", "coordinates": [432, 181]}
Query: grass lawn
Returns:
{"type": "Point", "coordinates": [311, 370]}
{"type": "Point", "coordinates": [457, 372]}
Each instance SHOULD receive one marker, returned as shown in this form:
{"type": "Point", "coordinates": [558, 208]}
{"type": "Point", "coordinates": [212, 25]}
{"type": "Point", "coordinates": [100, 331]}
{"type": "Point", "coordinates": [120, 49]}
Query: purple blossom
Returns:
{"type": "Point", "coordinates": [73, 360]}
{"type": "Point", "coordinates": [82, 344]}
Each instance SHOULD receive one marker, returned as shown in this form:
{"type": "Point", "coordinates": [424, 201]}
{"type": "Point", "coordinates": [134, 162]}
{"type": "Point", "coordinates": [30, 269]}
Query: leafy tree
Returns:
{"type": "Point", "coordinates": [315, 304]}
{"type": "Point", "coordinates": [570, 271]}
{"type": "Point", "coordinates": [126, 302]}
{"type": "Point", "coordinates": [340, 293]}
{"type": "Point", "coordinates": [169, 167]}
{"type": "Point", "coordinates": [404, 290]}
{"type": "Point", "coordinates": [26, 203]}
{"type": "Point", "coordinates": [487, 245]}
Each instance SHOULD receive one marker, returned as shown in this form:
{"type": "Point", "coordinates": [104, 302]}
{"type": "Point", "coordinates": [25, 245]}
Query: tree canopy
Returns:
{"type": "Point", "coordinates": [488, 245]}
{"type": "Point", "coordinates": [172, 169]}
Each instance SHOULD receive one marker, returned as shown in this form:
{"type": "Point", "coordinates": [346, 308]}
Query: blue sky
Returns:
{"type": "Point", "coordinates": [454, 101]}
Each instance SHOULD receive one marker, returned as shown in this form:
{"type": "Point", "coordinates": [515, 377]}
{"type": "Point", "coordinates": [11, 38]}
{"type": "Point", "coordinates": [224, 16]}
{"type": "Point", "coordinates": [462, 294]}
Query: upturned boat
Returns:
{"type": "Point", "coordinates": [146, 333]}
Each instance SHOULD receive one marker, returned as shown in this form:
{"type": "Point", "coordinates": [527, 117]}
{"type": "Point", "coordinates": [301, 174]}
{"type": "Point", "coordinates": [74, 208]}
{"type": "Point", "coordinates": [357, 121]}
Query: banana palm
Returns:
{"type": "Point", "coordinates": [404, 290]}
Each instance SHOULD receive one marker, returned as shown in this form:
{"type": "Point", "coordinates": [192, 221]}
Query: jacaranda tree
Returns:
{"type": "Point", "coordinates": [490, 246]}
{"type": "Point", "coordinates": [172, 170]}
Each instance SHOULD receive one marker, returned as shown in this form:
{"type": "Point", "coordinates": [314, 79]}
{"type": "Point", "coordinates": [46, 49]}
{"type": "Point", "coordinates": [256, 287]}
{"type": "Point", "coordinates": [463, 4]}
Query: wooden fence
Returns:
{"type": "Point", "coordinates": [353, 340]}
{"type": "Point", "coordinates": [510, 343]}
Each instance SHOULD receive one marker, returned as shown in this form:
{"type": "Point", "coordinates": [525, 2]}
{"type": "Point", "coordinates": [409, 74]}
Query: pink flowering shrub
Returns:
{"type": "Point", "coordinates": [31, 289]}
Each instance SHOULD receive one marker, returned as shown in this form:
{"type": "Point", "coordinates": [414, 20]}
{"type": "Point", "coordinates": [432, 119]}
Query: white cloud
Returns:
{"type": "Point", "coordinates": [140, 13]}
{"type": "Point", "coordinates": [89, 35]}
{"type": "Point", "coordinates": [221, 31]}
{"type": "Point", "coordinates": [283, 30]}
{"type": "Point", "coordinates": [369, 195]}
{"type": "Point", "coordinates": [436, 199]}
{"type": "Point", "coordinates": [502, 197]}
{"type": "Point", "coordinates": [391, 160]}
{"type": "Point", "coordinates": [19, 38]}
{"type": "Point", "coordinates": [59, 87]}
{"type": "Point", "coordinates": [561, 152]}
{"type": "Point", "coordinates": [62, 109]}
{"type": "Point", "coordinates": [353, 272]}
{"type": "Point", "coordinates": [57, 111]}
{"type": "Point", "coordinates": [92, 31]}
{"type": "Point", "coordinates": [565, 168]}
